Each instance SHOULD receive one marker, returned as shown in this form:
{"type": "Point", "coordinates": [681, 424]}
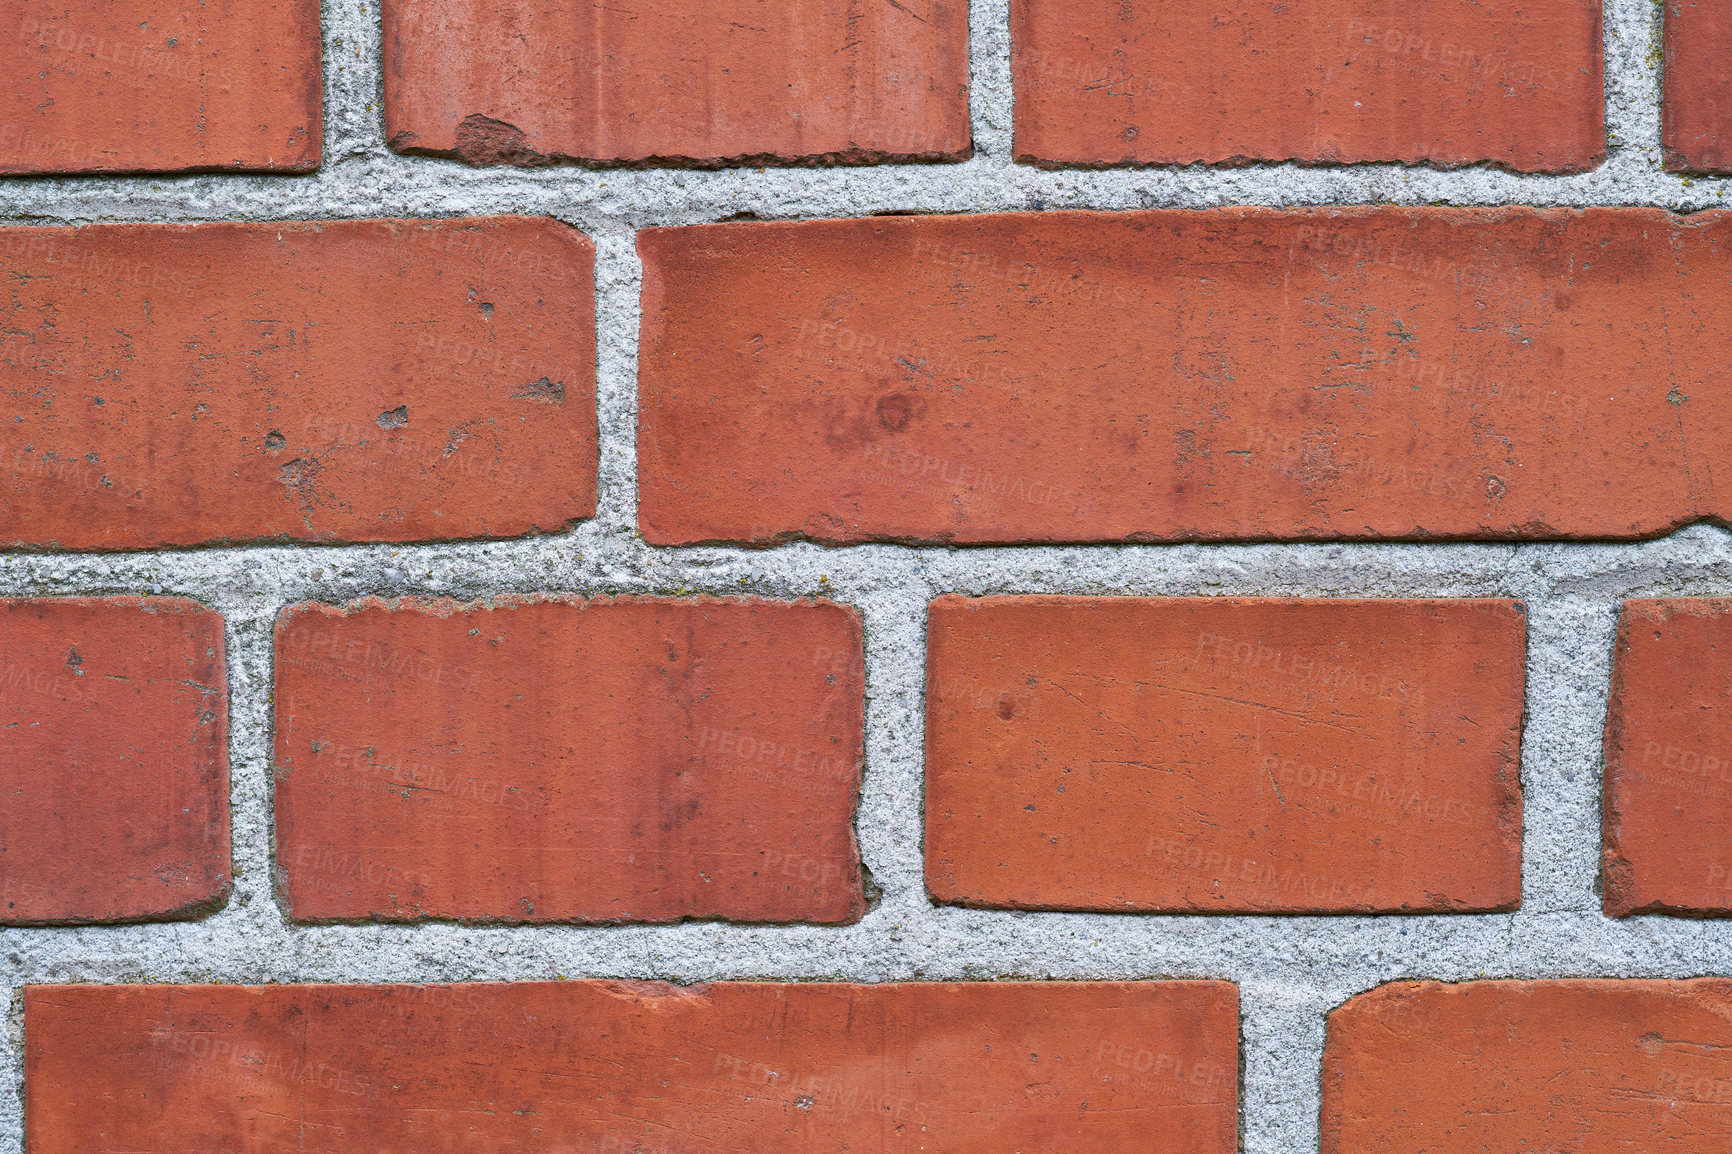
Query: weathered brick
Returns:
{"type": "Point", "coordinates": [1668, 779]}
{"type": "Point", "coordinates": [1185, 375]}
{"type": "Point", "coordinates": [114, 761]}
{"type": "Point", "coordinates": [1696, 113]}
{"type": "Point", "coordinates": [160, 86]}
{"type": "Point", "coordinates": [634, 1066]}
{"type": "Point", "coordinates": [713, 83]}
{"type": "Point", "coordinates": [1592, 1067]}
{"type": "Point", "coordinates": [1449, 82]}
{"type": "Point", "coordinates": [547, 760]}
{"type": "Point", "coordinates": [350, 381]}
{"type": "Point", "coordinates": [1224, 755]}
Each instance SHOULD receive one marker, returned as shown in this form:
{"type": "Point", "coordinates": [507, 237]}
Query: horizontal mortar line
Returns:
{"type": "Point", "coordinates": [127, 206]}
{"type": "Point", "coordinates": [1694, 554]}
{"type": "Point", "coordinates": [1178, 934]}
{"type": "Point", "coordinates": [717, 214]}
{"type": "Point", "coordinates": [243, 607]}
{"type": "Point", "coordinates": [798, 950]}
{"type": "Point", "coordinates": [1330, 981]}
{"type": "Point", "coordinates": [595, 537]}
{"type": "Point", "coordinates": [977, 185]}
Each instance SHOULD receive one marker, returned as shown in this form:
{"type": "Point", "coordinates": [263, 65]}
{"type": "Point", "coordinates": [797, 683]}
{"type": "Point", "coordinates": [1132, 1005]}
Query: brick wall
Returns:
{"type": "Point", "coordinates": [965, 576]}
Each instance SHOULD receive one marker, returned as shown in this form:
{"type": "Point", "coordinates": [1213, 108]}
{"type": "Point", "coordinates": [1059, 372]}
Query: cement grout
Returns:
{"type": "Point", "coordinates": [1290, 970]}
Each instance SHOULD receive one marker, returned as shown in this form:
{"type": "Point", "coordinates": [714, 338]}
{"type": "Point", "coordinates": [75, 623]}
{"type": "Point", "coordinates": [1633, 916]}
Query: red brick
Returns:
{"type": "Point", "coordinates": [1592, 1067]}
{"type": "Point", "coordinates": [113, 760]}
{"type": "Point", "coordinates": [708, 84]}
{"type": "Point", "coordinates": [1696, 116]}
{"type": "Point", "coordinates": [160, 86]}
{"type": "Point", "coordinates": [1668, 781]}
{"type": "Point", "coordinates": [1224, 755]}
{"type": "Point", "coordinates": [967, 1068]}
{"type": "Point", "coordinates": [353, 381]}
{"type": "Point", "coordinates": [1449, 82]}
{"type": "Point", "coordinates": [559, 760]}
{"type": "Point", "coordinates": [1224, 374]}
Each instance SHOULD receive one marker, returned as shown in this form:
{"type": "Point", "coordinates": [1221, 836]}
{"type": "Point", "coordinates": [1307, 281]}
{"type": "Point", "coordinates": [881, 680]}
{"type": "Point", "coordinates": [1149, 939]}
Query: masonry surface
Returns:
{"type": "Point", "coordinates": [1291, 971]}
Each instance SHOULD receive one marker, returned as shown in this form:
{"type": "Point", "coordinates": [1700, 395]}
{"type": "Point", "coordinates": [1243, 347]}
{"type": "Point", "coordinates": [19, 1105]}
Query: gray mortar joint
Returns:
{"type": "Point", "coordinates": [1290, 970]}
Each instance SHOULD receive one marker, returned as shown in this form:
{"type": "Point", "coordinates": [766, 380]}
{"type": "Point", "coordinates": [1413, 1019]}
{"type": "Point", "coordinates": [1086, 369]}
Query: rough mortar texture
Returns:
{"type": "Point", "coordinates": [1291, 970]}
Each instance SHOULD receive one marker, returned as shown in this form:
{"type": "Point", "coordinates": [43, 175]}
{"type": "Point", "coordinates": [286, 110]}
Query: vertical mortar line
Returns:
{"type": "Point", "coordinates": [989, 81]}
{"type": "Point", "coordinates": [354, 86]}
{"type": "Point", "coordinates": [1568, 683]}
{"type": "Point", "coordinates": [251, 789]}
{"type": "Point", "coordinates": [1632, 47]}
{"type": "Point", "coordinates": [1281, 1030]}
{"type": "Point", "coordinates": [618, 281]}
{"type": "Point", "coordinates": [889, 821]}
{"type": "Point", "coordinates": [12, 1074]}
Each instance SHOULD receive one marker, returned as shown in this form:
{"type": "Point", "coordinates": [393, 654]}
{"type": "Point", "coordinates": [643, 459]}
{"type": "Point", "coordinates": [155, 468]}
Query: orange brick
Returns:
{"type": "Point", "coordinates": [557, 760]}
{"type": "Point", "coordinates": [1449, 82]}
{"type": "Point", "coordinates": [708, 84]}
{"type": "Point", "coordinates": [1592, 1067]}
{"type": "Point", "coordinates": [160, 86]}
{"type": "Point", "coordinates": [635, 1067]}
{"type": "Point", "coordinates": [1696, 114]}
{"type": "Point", "coordinates": [114, 765]}
{"type": "Point", "coordinates": [1230, 374]}
{"type": "Point", "coordinates": [1668, 780]}
{"type": "Point", "coordinates": [346, 381]}
{"type": "Point", "coordinates": [1224, 755]}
